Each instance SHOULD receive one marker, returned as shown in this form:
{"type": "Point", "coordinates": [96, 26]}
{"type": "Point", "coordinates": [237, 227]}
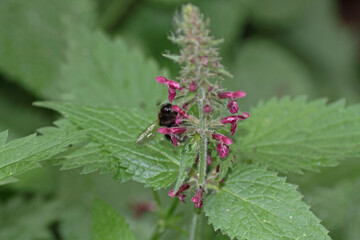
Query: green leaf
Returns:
{"type": "Point", "coordinates": [85, 154]}
{"type": "Point", "coordinates": [25, 153]}
{"type": "Point", "coordinates": [91, 156]}
{"type": "Point", "coordinates": [225, 165]}
{"type": "Point", "coordinates": [19, 118]}
{"type": "Point", "coordinates": [152, 35]}
{"type": "Point", "coordinates": [330, 49]}
{"type": "Point", "coordinates": [341, 194]}
{"type": "Point", "coordinates": [3, 138]}
{"type": "Point", "coordinates": [103, 71]}
{"type": "Point", "coordinates": [108, 224]}
{"type": "Point", "coordinates": [187, 159]}
{"type": "Point", "coordinates": [291, 135]}
{"type": "Point", "coordinates": [8, 180]}
{"type": "Point", "coordinates": [32, 39]}
{"type": "Point", "coordinates": [156, 164]}
{"type": "Point", "coordinates": [336, 184]}
{"type": "Point", "coordinates": [256, 204]}
{"type": "Point", "coordinates": [264, 69]}
{"type": "Point", "coordinates": [277, 13]}
{"type": "Point", "coordinates": [28, 219]}
{"type": "Point", "coordinates": [233, 15]}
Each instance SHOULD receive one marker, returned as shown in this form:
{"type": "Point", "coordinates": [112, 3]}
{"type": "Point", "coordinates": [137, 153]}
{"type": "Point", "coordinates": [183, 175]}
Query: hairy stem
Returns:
{"type": "Point", "coordinates": [194, 226]}
{"type": "Point", "coordinates": [157, 233]}
{"type": "Point", "coordinates": [203, 141]}
{"type": "Point", "coordinates": [172, 208]}
{"type": "Point", "coordinates": [161, 224]}
{"type": "Point", "coordinates": [157, 199]}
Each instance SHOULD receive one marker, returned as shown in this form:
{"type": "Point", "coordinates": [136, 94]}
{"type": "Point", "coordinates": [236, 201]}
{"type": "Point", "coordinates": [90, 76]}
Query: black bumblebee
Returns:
{"type": "Point", "coordinates": [166, 118]}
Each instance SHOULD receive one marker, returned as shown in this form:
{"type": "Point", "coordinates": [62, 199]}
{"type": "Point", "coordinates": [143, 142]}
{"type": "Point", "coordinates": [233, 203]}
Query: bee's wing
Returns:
{"type": "Point", "coordinates": [148, 134]}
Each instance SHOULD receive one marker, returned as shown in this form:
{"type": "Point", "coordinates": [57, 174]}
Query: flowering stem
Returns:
{"type": "Point", "coordinates": [162, 222]}
{"type": "Point", "coordinates": [172, 208]}
{"type": "Point", "coordinates": [157, 198]}
{"type": "Point", "coordinates": [203, 141]}
{"type": "Point", "coordinates": [157, 233]}
{"type": "Point", "coordinates": [194, 226]}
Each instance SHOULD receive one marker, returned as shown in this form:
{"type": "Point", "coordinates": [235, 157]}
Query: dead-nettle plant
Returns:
{"type": "Point", "coordinates": [198, 116]}
{"type": "Point", "coordinates": [221, 159]}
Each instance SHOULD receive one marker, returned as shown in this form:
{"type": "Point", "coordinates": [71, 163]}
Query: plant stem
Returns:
{"type": "Point", "coordinates": [161, 224]}
{"type": "Point", "coordinates": [157, 199]}
{"type": "Point", "coordinates": [203, 141]}
{"type": "Point", "coordinates": [172, 208]}
{"type": "Point", "coordinates": [194, 226]}
{"type": "Point", "coordinates": [157, 233]}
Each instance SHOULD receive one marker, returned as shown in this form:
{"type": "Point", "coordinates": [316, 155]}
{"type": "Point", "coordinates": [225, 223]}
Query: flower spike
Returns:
{"type": "Point", "coordinates": [199, 110]}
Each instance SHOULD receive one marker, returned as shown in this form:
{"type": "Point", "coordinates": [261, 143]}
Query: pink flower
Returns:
{"type": "Point", "coordinates": [181, 114]}
{"type": "Point", "coordinates": [172, 132]}
{"type": "Point", "coordinates": [233, 120]}
{"type": "Point", "coordinates": [204, 60]}
{"type": "Point", "coordinates": [179, 193]}
{"type": "Point", "coordinates": [210, 89]}
{"type": "Point", "coordinates": [172, 86]}
{"type": "Point", "coordinates": [143, 207]}
{"type": "Point", "coordinates": [233, 105]}
{"type": "Point", "coordinates": [208, 159]}
{"type": "Point", "coordinates": [197, 198]}
{"type": "Point", "coordinates": [223, 144]}
{"type": "Point", "coordinates": [193, 87]}
{"type": "Point", "coordinates": [207, 109]}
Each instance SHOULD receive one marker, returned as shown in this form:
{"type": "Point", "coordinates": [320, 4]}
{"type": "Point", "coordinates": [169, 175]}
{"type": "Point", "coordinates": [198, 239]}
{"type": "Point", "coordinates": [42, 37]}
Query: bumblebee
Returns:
{"type": "Point", "coordinates": [166, 118]}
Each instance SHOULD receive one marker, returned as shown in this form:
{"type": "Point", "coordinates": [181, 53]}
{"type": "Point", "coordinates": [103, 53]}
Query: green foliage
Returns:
{"type": "Point", "coordinates": [154, 164]}
{"type": "Point", "coordinates": [84, 154]}
{"type": "Point", "coordinates": [25, 153]}
{"type": "Point", "coordinates": [225, 167]}
{"type": "Point", "coordinates": [32, 39]}
{"type": "Point", "coordinates": [104, 71]}
{"type": "Point", "coordinates": [291, 135]}
{"type": "Point", "coordinates": [233, 15]}
{"type": "Point", "coordinates": [341, 194]}
{"type": "Point", "coordinates": [150, 22]}
{"type": "Point", "coordinates": [28, 219]}
{"type": "Point", "coordinates": [108, 225]}
{"type": "Point", "coordinates": [330, 49]}
{"type": "Point", "coordinates": [91, 156]}
{"type": "Point", "coordinates": [14, 115]}
{"type": "Point", "coordinates": [187, 159]}
{"type": "Point", "coordinates": [264, 69]}
{"type": "Point", "coordinates": [328, 190]}
{"type": "Point", "coordinates": [277, 13]}
{"type": "Point", "coordinates": [257, 204]}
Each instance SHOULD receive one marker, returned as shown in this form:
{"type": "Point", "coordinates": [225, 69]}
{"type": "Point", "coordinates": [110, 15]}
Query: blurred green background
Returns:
{"type": "Point", "coordinates": [272, 47]}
